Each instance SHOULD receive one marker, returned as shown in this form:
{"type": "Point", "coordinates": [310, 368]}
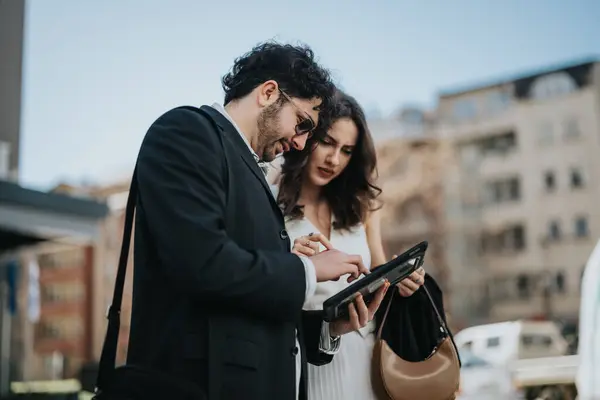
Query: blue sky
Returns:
{"type": "Point", "coordinates": [97, 73]}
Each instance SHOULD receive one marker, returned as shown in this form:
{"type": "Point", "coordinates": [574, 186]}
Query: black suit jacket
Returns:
{"type": "Point", "coordinates": [217, 295]}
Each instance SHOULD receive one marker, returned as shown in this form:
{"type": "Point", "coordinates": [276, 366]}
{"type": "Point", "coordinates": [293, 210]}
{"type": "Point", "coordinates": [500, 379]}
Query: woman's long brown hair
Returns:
{"type": "Point", "coordinates": [353, 193]}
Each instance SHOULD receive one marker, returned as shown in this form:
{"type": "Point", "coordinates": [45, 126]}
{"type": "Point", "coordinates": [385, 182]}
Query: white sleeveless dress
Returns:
{"type": "Point", "coordinates": [348, 376]}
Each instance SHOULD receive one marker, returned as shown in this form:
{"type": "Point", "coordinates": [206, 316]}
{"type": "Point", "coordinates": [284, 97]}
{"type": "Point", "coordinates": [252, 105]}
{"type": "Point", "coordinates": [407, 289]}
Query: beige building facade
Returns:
{"type": "Point", "coordinates": [523, 197]}
{"type": "Point", "coordinates": [411, 179]}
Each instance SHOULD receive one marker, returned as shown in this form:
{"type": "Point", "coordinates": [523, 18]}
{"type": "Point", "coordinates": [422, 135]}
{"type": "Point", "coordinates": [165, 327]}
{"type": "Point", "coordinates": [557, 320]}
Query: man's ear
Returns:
{"type": "Point", "coordinates": [267, 93]}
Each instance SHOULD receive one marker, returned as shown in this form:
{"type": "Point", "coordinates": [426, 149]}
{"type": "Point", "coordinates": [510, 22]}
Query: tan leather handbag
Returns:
{"type": "Point", "coordinates": [435, 378]}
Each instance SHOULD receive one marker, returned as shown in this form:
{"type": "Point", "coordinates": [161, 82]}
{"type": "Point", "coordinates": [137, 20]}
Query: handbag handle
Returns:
{"type": "Point", "coordinates": [108, 356]}
{"type": "Point", "coordinates": [443, 326]}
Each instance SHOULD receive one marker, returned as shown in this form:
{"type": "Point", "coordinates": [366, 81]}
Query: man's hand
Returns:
{"type": "Point", "coordinates": [360, 314]}
{"type": "Point", "coordinates": [330, 265]}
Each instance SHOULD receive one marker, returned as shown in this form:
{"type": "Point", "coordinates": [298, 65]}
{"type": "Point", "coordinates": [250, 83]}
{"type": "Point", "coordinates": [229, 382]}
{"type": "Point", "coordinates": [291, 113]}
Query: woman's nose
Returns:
{"type": "Point", "coordinates": [334, 158]}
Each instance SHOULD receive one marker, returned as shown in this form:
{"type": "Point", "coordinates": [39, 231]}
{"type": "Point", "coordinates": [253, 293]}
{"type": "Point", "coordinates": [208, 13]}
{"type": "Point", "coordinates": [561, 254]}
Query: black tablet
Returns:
{"type": "Point", "coordinates": [396, 270]}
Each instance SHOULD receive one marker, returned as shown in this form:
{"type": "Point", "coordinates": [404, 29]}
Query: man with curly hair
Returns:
{"type": "Point", "coordinates": [217, 295]}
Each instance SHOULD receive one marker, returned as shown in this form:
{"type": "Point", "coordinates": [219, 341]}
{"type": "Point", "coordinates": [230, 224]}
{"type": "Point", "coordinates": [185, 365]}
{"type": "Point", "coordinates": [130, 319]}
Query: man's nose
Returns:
{"type": "Point", "coordinates": [299, 142]}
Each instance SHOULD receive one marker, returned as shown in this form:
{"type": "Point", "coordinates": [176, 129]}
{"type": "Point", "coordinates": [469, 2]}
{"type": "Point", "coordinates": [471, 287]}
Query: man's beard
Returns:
{"type": "Point", "coordinates": [269, 132]}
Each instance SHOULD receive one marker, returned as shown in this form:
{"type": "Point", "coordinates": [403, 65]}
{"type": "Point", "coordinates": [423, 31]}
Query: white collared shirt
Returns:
{"type": "Point", "coordinates": [326, 345]}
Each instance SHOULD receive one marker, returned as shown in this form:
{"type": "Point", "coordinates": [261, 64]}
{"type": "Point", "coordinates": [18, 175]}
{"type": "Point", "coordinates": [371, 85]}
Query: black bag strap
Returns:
{"type": "Point", "coordinates": [108, 356]}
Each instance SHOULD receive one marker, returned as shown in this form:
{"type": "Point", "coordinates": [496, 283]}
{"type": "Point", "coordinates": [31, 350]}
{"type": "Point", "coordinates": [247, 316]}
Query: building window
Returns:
{"type": "Point", "coordinates": [576, 178]}
{"type": "Point", "coordinates": [560, 282]}
{"type": "Point", "coordinates": [581, 227]}
{"type": "Point", "coordinates": [553, 85]}
{"type": "Point", "coordinates": [63, 292]}
{"type": "Point", "coordinates": [74, 257]}
{"type": "Point", "coordinates": [549, 181]}
{"type": "Point", "coordinates": [514, 189]}
{"type": "Point", "coordinates": [49, 331]}
{"type": "Point", "coordinates": [516, 237]}
{"type": "Point", "coordinates": [503, 190]}
{"type": "Point", "coordinates": [554, 230]}
{"type": "Point", "coordinates": [464, 110]}
{"type": "Point", "coordinates": [523, 286]}
{"type": "Point", "coordinates": [571, 129]}
{"type": "Point", "coordinates": [545, 135]}
{"type": "Point", "coordinates": [510, 239]}
{"type": "Point", "coordinates": [498, 144]}
{"type": "Point", "coordinates": [61, 328]}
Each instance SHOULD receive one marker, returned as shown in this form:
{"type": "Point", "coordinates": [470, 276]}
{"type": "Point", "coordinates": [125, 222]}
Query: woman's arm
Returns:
{"type": "Point", "coordinates": [374, 240]}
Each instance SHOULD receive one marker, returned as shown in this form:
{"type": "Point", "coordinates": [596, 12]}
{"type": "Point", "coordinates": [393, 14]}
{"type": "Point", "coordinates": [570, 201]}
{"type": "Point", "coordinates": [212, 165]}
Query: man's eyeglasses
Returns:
{"type": "Point", "coordinates": [306, 125]}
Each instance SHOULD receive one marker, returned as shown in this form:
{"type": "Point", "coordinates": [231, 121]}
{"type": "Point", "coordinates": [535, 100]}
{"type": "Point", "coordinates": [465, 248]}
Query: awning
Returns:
{"type": "Point", "coordinates": [29, 216]}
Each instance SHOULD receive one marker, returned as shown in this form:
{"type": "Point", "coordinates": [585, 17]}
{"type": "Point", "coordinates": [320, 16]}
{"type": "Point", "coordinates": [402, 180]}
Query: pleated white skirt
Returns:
{"type": "Point", "coordinates": [348, 376]}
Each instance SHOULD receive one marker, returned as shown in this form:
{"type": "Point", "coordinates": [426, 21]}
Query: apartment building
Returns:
{"type": "Point", "coordinates": [115, 196]}
{"type": "Point", "coordinates": [76, 280]}
{"type": "Point", "coordinates": [412, 162]}
{"type": "Point", "coordinates": [408, 122]}
{"type": "Point", "coordinates": [411, 173]}
{"type": "Point", "coordinates": [522, 199]}
{"type": "Point", "coordinates": [59, 342]}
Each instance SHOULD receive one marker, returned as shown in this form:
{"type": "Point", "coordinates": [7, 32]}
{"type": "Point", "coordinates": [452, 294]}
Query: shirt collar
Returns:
{"type": "Point", "coordinates": [222, 110]}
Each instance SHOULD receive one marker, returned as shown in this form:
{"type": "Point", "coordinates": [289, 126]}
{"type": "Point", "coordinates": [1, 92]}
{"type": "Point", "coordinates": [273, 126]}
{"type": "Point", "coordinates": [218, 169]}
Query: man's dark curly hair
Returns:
{"type": "Point", "coordinates": [293, 67]}
{"type": "Point", "coordinates": [352, 194]}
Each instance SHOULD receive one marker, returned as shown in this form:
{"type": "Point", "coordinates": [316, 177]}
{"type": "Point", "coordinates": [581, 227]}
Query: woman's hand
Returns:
{"type": "Point", "coordinates": [308, 245]}
{"type": "Point", "coordinates": [410, 285]}
{"type": "Point", "coordinates": [360, 314]}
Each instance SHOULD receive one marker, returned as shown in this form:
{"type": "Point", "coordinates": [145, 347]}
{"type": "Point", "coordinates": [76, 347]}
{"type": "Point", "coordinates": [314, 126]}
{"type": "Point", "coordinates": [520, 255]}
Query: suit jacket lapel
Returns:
{"type": "Point", "coordinates": [234, 137]}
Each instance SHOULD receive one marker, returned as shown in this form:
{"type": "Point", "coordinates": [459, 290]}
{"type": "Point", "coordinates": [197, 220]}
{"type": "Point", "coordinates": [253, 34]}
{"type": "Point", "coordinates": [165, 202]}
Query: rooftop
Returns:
{"type": "Point", "coordinates": [12, 193]}
{"type": "Point", "coordinates": [27, 216]}
{"type": "Point", "coordinates": [518, 76]}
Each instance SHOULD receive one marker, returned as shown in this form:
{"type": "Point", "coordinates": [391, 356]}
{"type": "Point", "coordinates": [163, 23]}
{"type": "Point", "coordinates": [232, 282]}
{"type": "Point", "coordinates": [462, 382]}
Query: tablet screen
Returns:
{"type": "Point", "coordinates": [368, 291]}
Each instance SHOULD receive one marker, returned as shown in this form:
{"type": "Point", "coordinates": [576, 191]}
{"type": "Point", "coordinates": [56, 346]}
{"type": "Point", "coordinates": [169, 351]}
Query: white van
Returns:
{"type": "Point", "coordinates": [505, 342]}
{"type": "Point", "coordinates": [588, 374]}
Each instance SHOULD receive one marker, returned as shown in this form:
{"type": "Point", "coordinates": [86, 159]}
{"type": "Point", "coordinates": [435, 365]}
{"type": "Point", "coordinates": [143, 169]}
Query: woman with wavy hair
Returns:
{"type": "Point", "coordinates": [329, 198]}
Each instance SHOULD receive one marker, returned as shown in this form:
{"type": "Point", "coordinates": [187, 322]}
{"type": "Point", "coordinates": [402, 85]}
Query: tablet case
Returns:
{"type": "Point", "coordinates": [396, 270]}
